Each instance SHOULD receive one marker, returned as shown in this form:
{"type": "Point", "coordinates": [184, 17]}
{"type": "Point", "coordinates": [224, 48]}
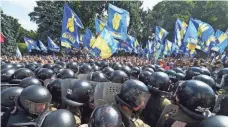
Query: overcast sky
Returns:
{"type": "Point", "coordinates": [21, 8]}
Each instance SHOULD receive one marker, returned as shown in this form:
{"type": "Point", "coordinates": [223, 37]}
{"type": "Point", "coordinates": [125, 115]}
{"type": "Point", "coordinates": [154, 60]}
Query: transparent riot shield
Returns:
{"type": "Point", "coordinates": [218, 102]}
{"type": "Point", "coordinates": [82, 76]}
{"type": "Point", "coordinates": [104, 93]}
{"type": "Point", "coordinates": [168, 110]}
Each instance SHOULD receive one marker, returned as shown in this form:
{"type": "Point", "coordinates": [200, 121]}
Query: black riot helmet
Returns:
{"type": "Point", "coordinates": [148, 69]}
{"type": "Point", "coordinates": [151, 66]}
{"type": "Point", "coordinates": [8, 95]}
{"type": "Point", "coordinates": [172, 75]}
{"type": "Point", "coordinates": [220, 75]}
{"type": "Point", "coordinates": [178, 70]}
{"type": "Point", "coordinates": [205, 71]}
{"type": "Point", "coordinates": [18, 65]}
{"type": "Point", "coordinates": [31, 66]}
{"type": "Point", "coordinates": [63, 64]}
{"type": "Point", "coordinates": [35, 99]}
{"type": "Point", "coordinates": [85, 69]}
{"type": "Point", "coordinates": [66, 74]}
{"type": "Point", "coordinates": [144, 77]}
{"type": "Point", "coordinates": [56, 68]}
{"type": "Point", "coordinates": [126, 69]}
{"type": "Point", "coordinates": [215, 121]}
{"type": "Point", "coordinates": [192, 71]}
{"type": "Point", "coordinates": [160, 81]}
{"type": "Point", "coordinates": [107, 71]}
{"type": "Point", "coordinates": [103, 64]}
{"type": "Point", "coordinates": [49, 66]}
{"type": "Point", "coordinates": [206, 79]}
{"type": "Point", "coordinates": [80, 92]}
{"type": "Point", "coordinates": [117, 66]}
{"type": "Point", "coordinates": [54, 88]}
{"type": "Point", "coordinates": [105, 116]}
{"type": "Point", "coordinates": [23, 73]}
{"type": "Point", "coordinates": [7, 65]}
{"type": "Point", "coordinates": [59, 118]}
{"type": "Point", "coordinates": [160, 69]}
{"type": "Point", "coordinates": [95, 67]}
{"type": "Point", "coordinates": [45, 73]}
{"type": "Point", "coordinates": [97, 76]}
{"type": "Point", "coordinates": [135, 71]}
{"type": "Point", "coordinates": [73, 66]}
{"type": "Point", "coordinates": [118, 76]}
{"type": "Point", "coordinates": [29, 81]}
{"type": "Point", "coordinates": [6, 74]}
{"type": "Point", "coordinates": [134, 94]}
{"type": "Point", "coordinates": [196, 96]}
{"type": "Point", "coordinates": [180, 76]}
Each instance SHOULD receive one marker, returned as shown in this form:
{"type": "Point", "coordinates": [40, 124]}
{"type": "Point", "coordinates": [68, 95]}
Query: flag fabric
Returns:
{"type": "Point", "coordinates": [211, 42]}
{"type": "Point", "coordinates": [148, 48]}
{"type": "Point", "coordinates": [160, 34]}
{"type": "Point", "coordinates": [87, 37]}
{"type": "Point", "coordinates": [52, 46]}
{"type": "Point", "coordinates": [175, 48]}
{"type": "Point", "coordinates": [99, 25]}
{"type": "Point", "coordinates": [190, 38]}
{"type": "Point", "coordinates": [126, 46]}
{"type": "Point", "coordinates": [31, 44]}
{"type": "Point", "coordinates": [227, 31]}
{"type": "Point", "coordinates": [118, 22]}
{"type": "Point", "coordinates": [42, 47]}
{"type": "Point", "coordinates": [157, 54]}
{"type": "Point", "coordinates": [104, 46]}
{"type": "Point", "coordinates": [180, 29]}
{"type": "Point", "coordinates": [204, 30]}
{"type": "Point", "coordinates": [18, 53]}
{"type": "Point", "coordinates": [167, 48]}
{"type": "Point", "coordinates": [70, 26]}
{"type": "Point", "coordinates": [3, 39]}
{"type": "Point", "coordinates": [224, 57]}
{"type": "Point", "coordinates": [222, 42]}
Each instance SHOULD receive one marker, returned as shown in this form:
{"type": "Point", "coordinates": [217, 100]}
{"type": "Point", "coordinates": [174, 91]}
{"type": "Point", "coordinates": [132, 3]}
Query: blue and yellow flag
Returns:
{"type": "Point", "coordinates": [87, 38]}
{"type": "Point", "coordinates": [31, 44]}
{"type": "Point", "coordinates": [70, 26]}
{"type": "Point", "coordinates": [204, 30]}
{"type": "Point", "coordinates": [148, 48]}
{"type": "Point", "coordinates": [42, 47]}
{"type": "Point", "coordinates": [126, 46]}
{"type": "Point", "coordinates": [160, 34]}
{"type": "Point", "coordinates": [18, 53]}
{"type": "Point", "coordinates": [105, 46]}
{"type": "Point", "coordinates": [211, 42]}
{"type": "Point", "coordinates": [190, 39]}
{"type": "Point", "coordinates": [180, 29]}
{"type": "Point", "coordinates": [157, 54]}
{"type": "Point", "coordinates": [167, 48]}
{"type": "Point", "coordinates": [52, 46]}
{"type": "Point", "coordinates": [224, 57]}
{"type": "Point", "coordinates": [99, 25]}
{"type": "Point", "coordinates": [118, 22]}
{"type": "Point", "coordinates": [175, 49]}
{"type": "Point", "coordinates": [222, 40]}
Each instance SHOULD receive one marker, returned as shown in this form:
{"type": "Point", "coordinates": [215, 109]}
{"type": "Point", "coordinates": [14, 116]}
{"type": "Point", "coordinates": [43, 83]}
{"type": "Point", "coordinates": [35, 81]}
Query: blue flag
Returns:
{"type": "Point", "coordinates": [222, 43]}
{"type": "Point", "coordinates": [18, 53]}
{"type": "Point", "coordinates": [70, 26]}
{"type": "Point", "coordinates": [157, 54]}
{"type": "Point", "coordinates": [204, 30]}
{"type": "Point", "coordinates": [105, 46]}
{"type": "Point", "coordinates": [99, 25]}
{"type": "Point", "coordinates": [52, 46]}
{"type": "Point", "coordinates": [211, 42]}
{"type": "Point", "coordinates": [180, 29]}
{"type": "Point", "coordinates": [87, 37]}
{"type": "Point", "coordinates": [168, 48]}
{"type": "Point", "coordinates": [31, 44]}
{"type": "Point", "coordinates": [160, 34]}
{"type": "Point", "coordinates": [118, 21]}
{"type": "Point", "coordinates": [42, 47]}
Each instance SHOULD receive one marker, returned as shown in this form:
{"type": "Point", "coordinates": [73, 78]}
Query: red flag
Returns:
{"type": "Point", "coordinates": [2, 38]}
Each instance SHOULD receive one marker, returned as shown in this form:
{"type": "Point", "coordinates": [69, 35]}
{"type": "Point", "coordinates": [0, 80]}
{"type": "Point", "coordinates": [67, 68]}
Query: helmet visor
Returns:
{"type": "Point", "coordinates": [140, 101]}
{"type": "Point", "coordinates": [37, 108]}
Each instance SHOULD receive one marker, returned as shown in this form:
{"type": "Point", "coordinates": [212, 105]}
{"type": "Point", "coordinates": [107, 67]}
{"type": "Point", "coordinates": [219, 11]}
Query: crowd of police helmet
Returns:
{"type": "Point", "coordinates": [51, 95]}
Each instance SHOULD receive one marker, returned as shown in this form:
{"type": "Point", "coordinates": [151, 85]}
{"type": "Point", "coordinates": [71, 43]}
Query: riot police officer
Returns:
{"type": "Point", "coordinates": [159, 84]}
{"type": "Point", "coordinates": [206, 79]}
{"type": "Point", "coordinates": [172, 75]}
{"type": "Point", "coordinates": [49, 66]}
{"type": "Point", "coordinates": [45, 73]}
{"type": "Point", "coordinates": [66, 74]}
{"type": "Point", "coordinates": [73, 66]}
{"type": "Point", "coordinates": [57, 118]}
{"type": "Point", "coordinates": [33, 101]}
{"type": "Point", "coordinates": [193, 71]}
{"type": "Point", "coordinates": [56, 68]}
{"type": "Point", "coordinates": [131, 101]}
{"type": "Point", "coordinates": [97, 77]}
{"type": "Point", "coordinates": [85, 69]}
{"type": "Point", "coordinates": [118, 76]}
{"type": "Point", "coordinates": [20, 74]}
{"type": "Point", "coordinates": [144, 77]}
{"type": "Point", "coordinates": [6, 74]}
{"type": "Point", "coordinates": [107, 71]}
{"type": "Point", "coordinates": [126, 69]}
{"type": "Point", "coordinates": [105, 116]}
{"type": "Point", "coordinates": [135, 71]}
{"type": "Point", "coordinates": [195, 100]}
{"type": "Point", "coordinates": [29, 81]}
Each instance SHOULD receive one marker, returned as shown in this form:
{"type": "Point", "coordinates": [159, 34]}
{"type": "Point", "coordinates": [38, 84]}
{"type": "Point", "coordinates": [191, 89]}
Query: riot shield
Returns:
{"type": "Point", "coordinates": [218, 102]}
{"type": "Point", "coordinates": [104, 93]}
{"type": "Point", "coordinates": [82, 76]}
{"type": "Point", "coordinates": [170, 110]}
